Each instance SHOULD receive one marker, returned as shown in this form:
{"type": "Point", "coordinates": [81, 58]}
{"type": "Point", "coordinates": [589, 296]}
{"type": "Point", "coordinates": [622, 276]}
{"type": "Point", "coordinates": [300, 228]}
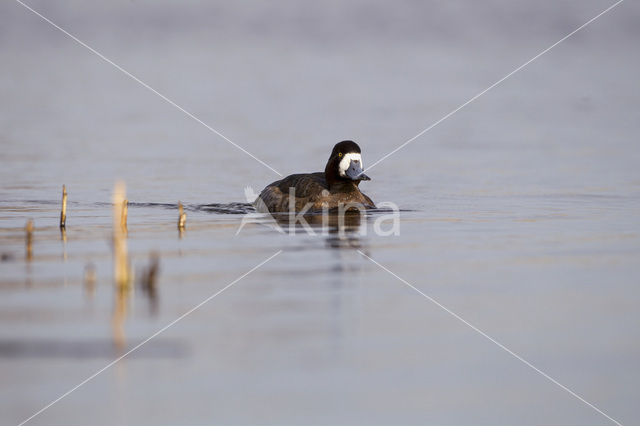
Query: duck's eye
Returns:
{"type": "Point", "coordinates": [339, 154]}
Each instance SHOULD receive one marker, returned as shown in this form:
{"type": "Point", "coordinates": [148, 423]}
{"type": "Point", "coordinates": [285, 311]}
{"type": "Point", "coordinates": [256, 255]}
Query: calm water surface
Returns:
{"type": "Point", "coordinates": [521, 213]}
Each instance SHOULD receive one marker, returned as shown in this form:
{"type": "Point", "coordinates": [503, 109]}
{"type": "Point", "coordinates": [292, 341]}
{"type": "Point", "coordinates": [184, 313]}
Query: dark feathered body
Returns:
{"type": "Point", "coordinates": [310, 188]}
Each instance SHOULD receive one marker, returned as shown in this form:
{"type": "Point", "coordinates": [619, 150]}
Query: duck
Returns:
{"type": "Point", "coordinates": [320, 191]}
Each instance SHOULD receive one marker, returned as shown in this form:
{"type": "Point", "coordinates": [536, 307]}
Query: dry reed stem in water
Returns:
{"type": "Point", "coordinates": [29, 238]}
{"type": "Point", "coordinates": [123, 216]}
{"type": "Point", "coordinates": [182, 216]}
{"type": "Point", "coordinates": [122, 273]}
{"type": "Point", "coordinates": [63, 213]}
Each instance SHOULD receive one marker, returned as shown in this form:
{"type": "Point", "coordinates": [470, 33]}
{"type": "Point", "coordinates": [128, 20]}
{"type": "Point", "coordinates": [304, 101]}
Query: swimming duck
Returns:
{"type": "Point", "coordinates": [338, 184]}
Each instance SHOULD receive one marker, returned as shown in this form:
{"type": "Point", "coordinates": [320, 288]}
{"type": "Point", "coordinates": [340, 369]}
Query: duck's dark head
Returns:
{"type": "Point", "coordinates": [345, 164]}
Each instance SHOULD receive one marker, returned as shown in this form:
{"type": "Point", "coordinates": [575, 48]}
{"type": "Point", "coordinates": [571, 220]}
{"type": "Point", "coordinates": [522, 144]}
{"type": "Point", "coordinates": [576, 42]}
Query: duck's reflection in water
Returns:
{"type": "Point", "coordinates": [346, 231]}
{"type": "Point", "coordinates": [342, 231]}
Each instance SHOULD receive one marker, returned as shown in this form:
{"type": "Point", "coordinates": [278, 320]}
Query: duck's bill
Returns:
{"type": "Point", "coordinates": [355, 172]}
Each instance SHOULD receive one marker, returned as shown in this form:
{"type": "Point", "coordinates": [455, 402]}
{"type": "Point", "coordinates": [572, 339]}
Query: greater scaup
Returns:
{"type": "Point", "coordinates": [337, 185]}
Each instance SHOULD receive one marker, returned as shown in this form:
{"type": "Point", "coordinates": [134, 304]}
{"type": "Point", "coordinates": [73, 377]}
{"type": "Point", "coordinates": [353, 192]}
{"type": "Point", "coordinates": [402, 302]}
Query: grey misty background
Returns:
{"type": "Point", "coordinates": [286, 80]}
{"type": "Point", "coordinates": [524, 216]}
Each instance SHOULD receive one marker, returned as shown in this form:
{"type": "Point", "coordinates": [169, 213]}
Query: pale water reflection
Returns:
{"type": "Point", "coordinates": [521, 213]}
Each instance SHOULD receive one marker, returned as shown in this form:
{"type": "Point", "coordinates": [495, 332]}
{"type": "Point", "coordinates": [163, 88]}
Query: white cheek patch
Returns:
{"type": "Point", "coordinates": [346, 162]}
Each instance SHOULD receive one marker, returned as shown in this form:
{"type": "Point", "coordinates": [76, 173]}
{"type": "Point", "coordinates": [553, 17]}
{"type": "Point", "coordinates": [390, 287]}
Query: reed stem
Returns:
{"type": "Point", "coordinates": [63, 213]}
{"type": "Point", "coordinates": [182, 216]}
{"type": "Point", "coordinates": [123, 216]}
{"type": "Point", "coordinates": [29, 239]}
{"type": "Point", "coordinates": [122, 273]}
